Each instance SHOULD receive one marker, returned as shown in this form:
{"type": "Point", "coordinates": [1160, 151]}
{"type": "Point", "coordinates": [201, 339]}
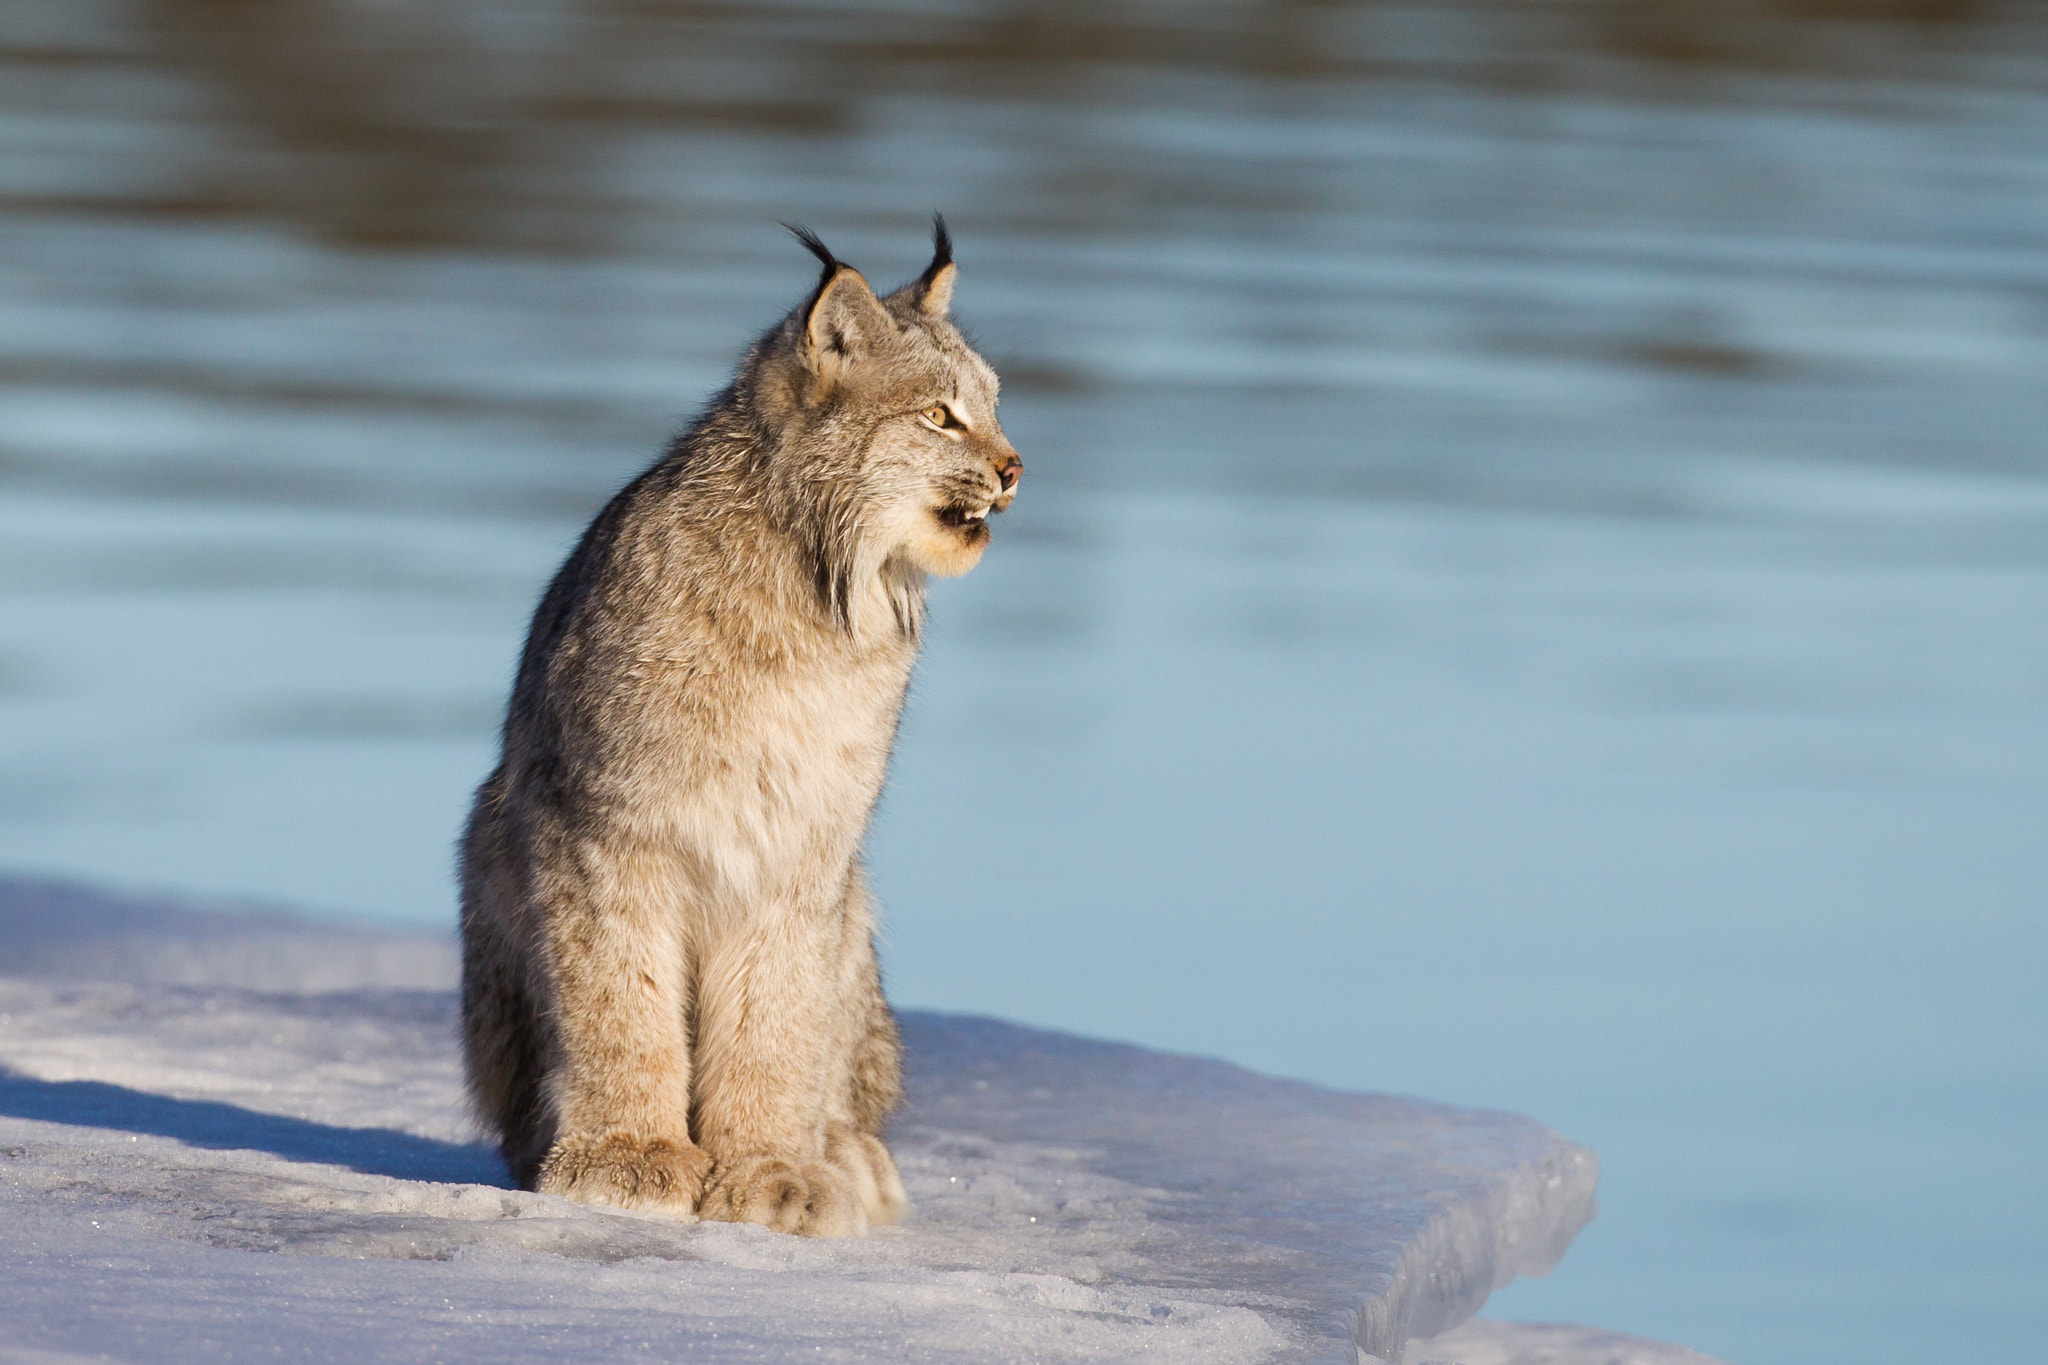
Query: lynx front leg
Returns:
{"type": "Point", "coordinates": [765, 1022]}
{"type": "Point", "coordinates": [621, 1088]}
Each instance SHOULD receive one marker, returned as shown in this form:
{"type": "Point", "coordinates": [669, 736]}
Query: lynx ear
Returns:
{"type": "Point", "coordinates": [933, 291]}
{"type": "Point", "coordinates": [843, 320]}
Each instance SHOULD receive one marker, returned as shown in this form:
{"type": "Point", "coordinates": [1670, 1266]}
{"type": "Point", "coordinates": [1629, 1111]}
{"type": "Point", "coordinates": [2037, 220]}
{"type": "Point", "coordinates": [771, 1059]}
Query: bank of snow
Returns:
{"type": "Point", "coordinates": [250, 1137]}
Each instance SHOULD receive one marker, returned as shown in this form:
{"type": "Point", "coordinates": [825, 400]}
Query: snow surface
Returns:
{"type": "Point", "coordinates": [200, 1169]}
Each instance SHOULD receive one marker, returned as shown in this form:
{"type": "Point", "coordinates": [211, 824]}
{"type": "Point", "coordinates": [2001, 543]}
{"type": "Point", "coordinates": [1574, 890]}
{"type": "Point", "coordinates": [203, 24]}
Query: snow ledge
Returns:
{"type": "Point", "coordinates": [1076, 1200]}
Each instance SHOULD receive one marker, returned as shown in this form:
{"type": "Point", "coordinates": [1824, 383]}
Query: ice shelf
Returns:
{"type": "Point", "coordinates": [192, 1163]}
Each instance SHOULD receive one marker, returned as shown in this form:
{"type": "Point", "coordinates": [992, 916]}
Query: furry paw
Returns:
{"type": "Point", "coordinates": [867, 1163]}
{"type": "Point", "coordinates": [626, 1171]}
{"type": "Point", "coordinates": [808, 1198]}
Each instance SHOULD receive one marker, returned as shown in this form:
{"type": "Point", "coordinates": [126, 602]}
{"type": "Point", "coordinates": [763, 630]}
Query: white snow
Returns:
{"type": "Point", "coordinates": [1480, 1342]}
{"type": "Point", "coordinates": [197, 1169]}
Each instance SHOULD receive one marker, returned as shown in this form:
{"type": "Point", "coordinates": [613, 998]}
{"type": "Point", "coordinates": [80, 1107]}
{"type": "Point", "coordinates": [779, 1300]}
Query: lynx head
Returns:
{"type": "Point", "coordinates": [882, 429]}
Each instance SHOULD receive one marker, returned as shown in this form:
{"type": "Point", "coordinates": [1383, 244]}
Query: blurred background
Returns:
{"type": "Point", "coordinates": [1532, 586]}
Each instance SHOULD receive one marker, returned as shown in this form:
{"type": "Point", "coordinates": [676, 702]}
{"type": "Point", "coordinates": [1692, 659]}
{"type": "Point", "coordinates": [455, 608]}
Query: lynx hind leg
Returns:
{"type": "Point", "coordinates": [504, 1039]}
{"type": "Point", "coordinates": [874, 1081]}
{"type": "Point", "coordinates": [504, 1053]}
{"type": "Point", "coordinates": [875, 1070]}
{"type": "Point", "coordinates": [867, 1164]}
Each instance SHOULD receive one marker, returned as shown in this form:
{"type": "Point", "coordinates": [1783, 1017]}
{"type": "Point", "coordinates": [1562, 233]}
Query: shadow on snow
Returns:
{"type": "Point", "coordinates": [227, 1127]}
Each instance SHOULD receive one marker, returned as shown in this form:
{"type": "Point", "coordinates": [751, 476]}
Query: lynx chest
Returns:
{"type": "Point", "coordinates": [762, 775]}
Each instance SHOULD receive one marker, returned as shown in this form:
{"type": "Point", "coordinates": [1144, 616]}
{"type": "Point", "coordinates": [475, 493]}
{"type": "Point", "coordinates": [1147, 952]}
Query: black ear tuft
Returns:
{"type": "Point", "coordinates": [817, 247]}
{"type": "Point", "coordinates": [933, 291]}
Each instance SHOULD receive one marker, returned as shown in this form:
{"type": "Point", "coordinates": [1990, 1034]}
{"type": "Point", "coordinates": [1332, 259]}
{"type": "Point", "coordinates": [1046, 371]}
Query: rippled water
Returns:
{"type": "Point", "coordinates": [1532, 587]}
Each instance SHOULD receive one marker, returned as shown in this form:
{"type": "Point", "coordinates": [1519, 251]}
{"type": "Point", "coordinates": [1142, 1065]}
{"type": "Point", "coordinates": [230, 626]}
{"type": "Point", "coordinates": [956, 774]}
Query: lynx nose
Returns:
{"type": "Point", "coordinates": [1010, 472]}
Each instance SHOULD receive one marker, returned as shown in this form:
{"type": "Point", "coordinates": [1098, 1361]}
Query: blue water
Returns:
{"type": "Point", "coordinates": [1531, 587]}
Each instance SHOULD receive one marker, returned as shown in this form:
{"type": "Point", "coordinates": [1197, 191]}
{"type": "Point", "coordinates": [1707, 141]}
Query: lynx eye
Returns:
{"type": "Point", "coordinates": [939, 415]}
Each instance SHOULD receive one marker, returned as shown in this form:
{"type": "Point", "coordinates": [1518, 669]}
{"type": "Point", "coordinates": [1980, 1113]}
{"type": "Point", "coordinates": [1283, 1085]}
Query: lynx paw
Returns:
{"type": "Point", "coordinates": [868, 1165]}
{"type": "Point", "coordinates": [626, 1171]}
{"type": "Point", "coordinates": [807, 1198]}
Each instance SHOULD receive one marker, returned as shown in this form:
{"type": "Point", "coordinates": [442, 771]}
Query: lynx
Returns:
{"type": "Point", "coordinates": [670, 999]}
